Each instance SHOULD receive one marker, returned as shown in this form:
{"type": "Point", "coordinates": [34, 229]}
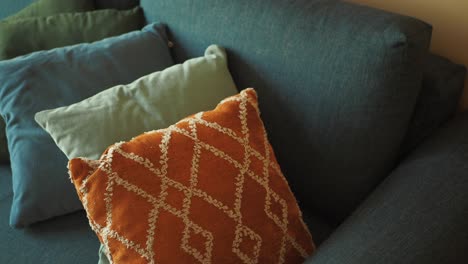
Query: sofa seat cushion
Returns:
{"type": "Point", "coordinates": [417, 215]}
{"type": "Point", "coordinates": [67, 239]}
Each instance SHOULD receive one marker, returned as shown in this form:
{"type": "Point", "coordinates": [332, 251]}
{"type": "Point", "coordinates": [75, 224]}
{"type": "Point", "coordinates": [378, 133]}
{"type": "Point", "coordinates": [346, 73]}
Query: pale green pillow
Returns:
{"type": "Point", "coordinates": [103, 258]}
{"type": "Point", "coordinates": [158, 100]}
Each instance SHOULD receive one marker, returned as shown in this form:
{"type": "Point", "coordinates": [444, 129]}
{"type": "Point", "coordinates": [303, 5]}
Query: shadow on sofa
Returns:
{"type": "Point", "coordinates": [353, 111]}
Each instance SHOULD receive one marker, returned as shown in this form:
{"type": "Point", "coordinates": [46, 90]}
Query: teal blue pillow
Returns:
{"type": "Point", "coordinates": [35, 9]}
{"type": "Point", "coordinates": [59, 77]}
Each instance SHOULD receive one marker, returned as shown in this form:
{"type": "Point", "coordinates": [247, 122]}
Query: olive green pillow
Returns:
{"type": "Point", "coordinates": [23, 36]}
{"type": "Point", "coordinates": [52, 7]}
{"type": "Point", "coordinates": [36, 9]}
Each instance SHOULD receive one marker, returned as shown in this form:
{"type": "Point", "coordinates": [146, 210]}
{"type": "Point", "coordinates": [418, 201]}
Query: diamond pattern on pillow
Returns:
{"type": "Point", "coordinates": [227, 203]}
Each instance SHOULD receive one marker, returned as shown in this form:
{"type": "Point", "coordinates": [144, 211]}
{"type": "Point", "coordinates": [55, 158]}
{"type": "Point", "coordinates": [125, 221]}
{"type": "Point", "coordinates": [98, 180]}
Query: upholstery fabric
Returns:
{"type": "Point", "coordinates": [7, 8]}
{"type": "Point", "coordinates": [417, 215]}
{"type": "Point", "coordinates": [320, 229]}
{"type": "Point", "coordinates": [4, 155]}
{"type": "Point", "coordinates": [50, 79]}
{"type": "Point", "coordinates": [205, 190]}
{"type": "Point", "coordinates": [118, 4]}
{"type": "Point", "coordinates": [443, 83]}
{"type": "Point", "coordinates": [66, 239]}
{"type": "Point", "coordinates": [5, 183]}
{"type": "Point", "coordinates": [158, 100]}
{"type": "Point", "coordinates": [43, 8]}
{"type": "Point", "coordinates": [337, 84]}
{"type": "Point", "coordinates": [20, 37]}
{"type": "Point", "coordinates": [318, 226]}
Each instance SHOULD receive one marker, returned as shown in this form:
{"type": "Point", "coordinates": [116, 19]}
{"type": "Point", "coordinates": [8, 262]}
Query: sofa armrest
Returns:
{"type": "Point", "coordinates": [419, 214]}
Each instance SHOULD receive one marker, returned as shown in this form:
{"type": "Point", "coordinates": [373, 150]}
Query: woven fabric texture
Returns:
{"type": "Point", "coordinates": [205, 190]}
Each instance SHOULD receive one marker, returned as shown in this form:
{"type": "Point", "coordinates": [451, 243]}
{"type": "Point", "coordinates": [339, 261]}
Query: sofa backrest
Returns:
{"type": "Point", "coordinates": [118, 4]}
{"type": "Point", "coordinates": [8, 8]}
{"type": "Point", "coordinates": [337, 84]}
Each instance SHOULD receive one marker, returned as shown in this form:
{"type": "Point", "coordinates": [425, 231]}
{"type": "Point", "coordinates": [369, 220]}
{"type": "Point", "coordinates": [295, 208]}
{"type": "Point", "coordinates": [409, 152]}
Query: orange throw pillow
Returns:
{"type": "Point", "coordinates": [205, 190]}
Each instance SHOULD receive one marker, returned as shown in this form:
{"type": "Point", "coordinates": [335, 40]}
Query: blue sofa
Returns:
{"type": "Point", "coordinates": [342, 91]}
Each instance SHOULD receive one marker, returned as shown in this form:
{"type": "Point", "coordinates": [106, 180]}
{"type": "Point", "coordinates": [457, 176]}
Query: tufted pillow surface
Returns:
{"type": "Point", "coordinates": [205, 190]}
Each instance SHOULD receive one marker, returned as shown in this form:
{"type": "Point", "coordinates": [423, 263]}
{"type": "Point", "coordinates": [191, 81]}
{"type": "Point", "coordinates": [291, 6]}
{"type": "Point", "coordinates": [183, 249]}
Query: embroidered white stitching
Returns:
{"type": "Point", "coordinates": [147, 252]}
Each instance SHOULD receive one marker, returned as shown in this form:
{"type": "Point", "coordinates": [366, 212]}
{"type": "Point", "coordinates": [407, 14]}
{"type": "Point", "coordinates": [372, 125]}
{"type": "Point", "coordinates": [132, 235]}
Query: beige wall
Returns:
{"type": "Point", "coordinates": [450, 22]}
